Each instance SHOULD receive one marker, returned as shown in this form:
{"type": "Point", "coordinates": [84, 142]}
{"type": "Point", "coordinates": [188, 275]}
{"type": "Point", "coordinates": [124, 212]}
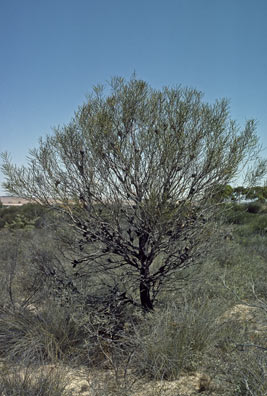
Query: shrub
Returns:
{"type": "Point", "coordinates": [254, 207]}
{"type": "Point", "coordinates": [20, 277]}
{"type": "Point", "coordinates": [236, 214]}
{"type": "Point", "coordinates": [248, 372]}
{"type": "Point", "coordinates": [32, 382]}
{"type": "Point", "coordinates": [173, 340]}
{"type": "Point", "coordinates": [32, 337]}
{"type": "Point", "coordinates": [32, 213]}
{"type": "Point", "coordinates": [260, 225]}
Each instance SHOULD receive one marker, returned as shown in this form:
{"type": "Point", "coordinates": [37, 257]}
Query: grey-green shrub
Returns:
{"type": "Point", "coordinates": [173, 339]}
{"type": "Point", "coordinates": [23, 381]}
{"type": "Point", "coordinates": [48, 335]}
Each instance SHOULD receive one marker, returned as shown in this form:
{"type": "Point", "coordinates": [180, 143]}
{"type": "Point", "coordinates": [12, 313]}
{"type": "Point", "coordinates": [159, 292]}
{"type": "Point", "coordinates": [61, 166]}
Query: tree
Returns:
{"type": "Point", "coordinates": [224, 193]}
{"type": "Point", "coordinates": [135, 173]}
{"type": "Point", "coordinates": [240, 192]}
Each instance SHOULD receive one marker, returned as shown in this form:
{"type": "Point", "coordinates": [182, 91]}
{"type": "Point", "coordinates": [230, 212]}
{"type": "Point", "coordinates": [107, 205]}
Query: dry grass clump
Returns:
{"type": "Point", "coordinates": [246, 372]}
{"type": "Point", "coordinates": [48, 335]}
{"type": "Point", "coordinates": [174, 339]}
{"type": "Point", "coordinates": [21, 381]}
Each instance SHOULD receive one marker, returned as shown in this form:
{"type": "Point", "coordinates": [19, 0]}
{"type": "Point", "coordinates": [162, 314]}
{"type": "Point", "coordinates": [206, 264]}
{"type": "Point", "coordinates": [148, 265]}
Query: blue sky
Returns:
{"type": "Point", "coordinates": [53, 51]}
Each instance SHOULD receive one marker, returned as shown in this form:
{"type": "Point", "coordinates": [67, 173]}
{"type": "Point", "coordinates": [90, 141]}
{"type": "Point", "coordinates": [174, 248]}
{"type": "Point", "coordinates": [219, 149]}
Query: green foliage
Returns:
{"type": "Point", "coordinates": [256, 192]}
{"type": "Point", "coordinates": [239, 193]}
{"type": "Point", "coordinates": [7, 215]}
{"type": "Point", "coordinates": [226, 192]}
{"type": "Point", "coordinates": [259, 226]}
{"type": "Point", "coordinates": [254, 224]}
{"type": "Point", "coordinates": [223, 193]}
{"type": "Point", "coordinates": [27, 216]}
{"type": "Point", "coordinates": [235, 213]}
{"type": "Point", "coordinates": [21, 222]}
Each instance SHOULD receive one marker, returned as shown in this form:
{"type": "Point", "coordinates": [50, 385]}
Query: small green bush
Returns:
{"type": "Point", "coordinates": [31, 213]}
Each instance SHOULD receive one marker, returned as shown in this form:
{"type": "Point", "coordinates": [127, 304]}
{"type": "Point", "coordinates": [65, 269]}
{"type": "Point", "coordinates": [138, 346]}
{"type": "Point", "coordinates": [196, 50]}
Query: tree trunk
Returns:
{"type": "Point", "coordinates": [145, 299]}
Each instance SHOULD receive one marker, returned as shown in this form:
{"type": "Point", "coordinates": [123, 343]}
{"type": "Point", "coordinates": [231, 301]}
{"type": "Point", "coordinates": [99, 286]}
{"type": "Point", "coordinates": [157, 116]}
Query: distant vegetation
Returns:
{"type": "Point", "coordinates": [19, 217]}
{"type": "Point", "coordinates": [241, 193]}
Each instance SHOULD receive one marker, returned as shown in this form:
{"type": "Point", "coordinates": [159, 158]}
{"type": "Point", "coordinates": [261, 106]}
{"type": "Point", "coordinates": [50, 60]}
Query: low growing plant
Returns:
{"type": "Point", "coordinates": [173, 339]}
{"type": "Point", "coordinates": [32, 337]}
{"type": "Point", "coordinates": [21, 381]}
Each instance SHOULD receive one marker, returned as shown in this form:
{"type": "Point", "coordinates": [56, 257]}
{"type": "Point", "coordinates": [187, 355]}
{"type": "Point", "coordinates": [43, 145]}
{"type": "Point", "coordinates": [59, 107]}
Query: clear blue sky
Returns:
{"type": "Point", "coordinates": [54, 51]}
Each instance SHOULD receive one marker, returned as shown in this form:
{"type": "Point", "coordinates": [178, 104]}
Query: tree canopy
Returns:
{"type": "Point", "coordinates": [135, 172]}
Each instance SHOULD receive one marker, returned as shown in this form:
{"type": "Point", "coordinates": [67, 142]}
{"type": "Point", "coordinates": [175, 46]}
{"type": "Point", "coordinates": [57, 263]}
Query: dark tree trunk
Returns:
{"type": "Point", "coordinates": [145, 299]}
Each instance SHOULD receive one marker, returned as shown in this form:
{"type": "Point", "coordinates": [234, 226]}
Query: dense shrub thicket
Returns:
{"type": "Point", "coordinates": [52, 314]}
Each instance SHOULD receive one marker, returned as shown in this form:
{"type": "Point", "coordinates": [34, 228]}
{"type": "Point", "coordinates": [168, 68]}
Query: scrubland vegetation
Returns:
{"type": "Point", "coordinates": [213, 322]}
{"type": "Point", "coordinates": [141, 268]}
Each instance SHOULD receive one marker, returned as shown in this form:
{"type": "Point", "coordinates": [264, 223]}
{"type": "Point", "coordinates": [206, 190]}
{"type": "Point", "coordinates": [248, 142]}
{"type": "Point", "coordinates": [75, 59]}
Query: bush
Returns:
{"type": "Point", "coordinates": [254, 207]}
{"type": "Point", "coordinates": [32, 382]}
{"type": "Point", "coordinates": [32, 337]}
{"type": "Point", "coordinates": [248, 372]}
{"type": "Point", "coordinates": [173, 340]}
{"type": "Point", "coordinates": [20, 277]}
{"type": "Point", "coordinates": [236, 214]}
{"type": "Point", "coordinates": [32, 213]}
{"type": "Point", "coordinates": [259, 226]}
